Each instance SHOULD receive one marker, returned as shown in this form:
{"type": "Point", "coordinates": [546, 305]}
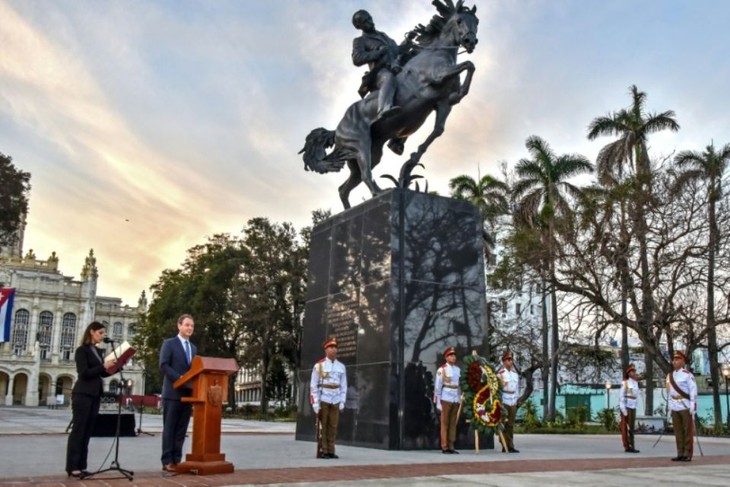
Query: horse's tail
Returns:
{"type": "Point", "coordinates": [315, 152]}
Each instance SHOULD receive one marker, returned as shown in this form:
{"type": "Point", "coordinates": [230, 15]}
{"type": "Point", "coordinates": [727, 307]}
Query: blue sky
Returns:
{"type": "Point", "coordinates": [149, 125]}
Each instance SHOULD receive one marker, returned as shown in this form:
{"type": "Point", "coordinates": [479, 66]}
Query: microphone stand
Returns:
{"type": "Point", "coordinates": [114, 466]}
{"type": "Point", "coordinates": [140, 431]}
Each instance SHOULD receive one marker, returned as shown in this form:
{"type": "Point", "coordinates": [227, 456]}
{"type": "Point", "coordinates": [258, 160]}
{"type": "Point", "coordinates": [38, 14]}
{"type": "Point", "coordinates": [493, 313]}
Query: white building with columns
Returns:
{"type": "Point", "coordinates": [49, 316]}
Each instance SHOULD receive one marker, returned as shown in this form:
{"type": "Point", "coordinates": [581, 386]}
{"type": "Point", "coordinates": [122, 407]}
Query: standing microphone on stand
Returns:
{"type": "Point", "coordinates": [108, 340]}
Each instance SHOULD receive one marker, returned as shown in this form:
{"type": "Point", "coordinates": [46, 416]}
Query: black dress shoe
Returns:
{"type": "Point", "coordinates": [686, 459]}
{"type": "Point", "coordinates": [445, 451]}
{"type": "Point", "coordinates": [504, 450]}
{"type": "Point", "coordinates": [633, 450]}
{"type": "Point", "coordinates": [514, 450]}
{"type": "Point", "coordinates": [453, 451]}
{"type": "Point", "coordinates": [677, 459]}
{"type": "Point", "coordinates": [332, 455]}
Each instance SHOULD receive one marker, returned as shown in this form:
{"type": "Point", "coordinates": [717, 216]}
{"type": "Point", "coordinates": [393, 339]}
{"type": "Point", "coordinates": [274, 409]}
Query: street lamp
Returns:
{"type": "Point", "coordinates": [726, 374]}
{"type": "Point", "coordinates": [608, 395]}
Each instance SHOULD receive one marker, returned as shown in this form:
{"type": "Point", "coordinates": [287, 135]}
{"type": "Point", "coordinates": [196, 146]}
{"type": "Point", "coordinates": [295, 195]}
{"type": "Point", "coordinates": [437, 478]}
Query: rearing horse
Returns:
{"type": "Point", "coordinates": [429, 81]}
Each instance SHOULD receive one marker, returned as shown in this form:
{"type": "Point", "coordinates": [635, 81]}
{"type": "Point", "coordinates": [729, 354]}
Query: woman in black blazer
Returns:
{"type": "Point", "coordinates": [86, 397]}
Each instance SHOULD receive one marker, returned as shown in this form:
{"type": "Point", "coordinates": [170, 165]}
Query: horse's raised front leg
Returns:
{"type": "Point", "coordinates": [456, 97]}
{"type": "Point", "coordinates": [445, 73]}
{"type": "Point", "coordinates": [443, 109]}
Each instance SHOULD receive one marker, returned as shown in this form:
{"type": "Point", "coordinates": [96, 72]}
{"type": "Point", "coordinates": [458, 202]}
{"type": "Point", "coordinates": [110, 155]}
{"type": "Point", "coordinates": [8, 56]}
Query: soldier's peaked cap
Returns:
{"type": "Point", "coordinates": [449, 351]}
{"type": "Point", "coordinates": [678, 354]}
{"type": "Point", "coordinates": [332, 342]}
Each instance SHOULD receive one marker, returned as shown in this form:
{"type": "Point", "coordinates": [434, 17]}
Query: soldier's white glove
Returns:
{"type": "Point", "coordinates": [623, 412]}
{"type": "Point", "coordinates": [438, 404]}
{"type": "Point", "coordinates": [692, 408]}
{"type": "Point", "coordinates": [342, 406]}
{"type": "Point", "coordinates": [315, 406]}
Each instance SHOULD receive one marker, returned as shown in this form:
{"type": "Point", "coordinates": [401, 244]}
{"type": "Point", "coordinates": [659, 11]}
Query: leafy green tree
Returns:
{"type": "Point", "coordinates": [14, 191]}
{"type": "Point", "coordinates": [269, 297]}
{"type": "Point", "coordinates": [542, 192]}
{"type": "Point", "coordinates": [633, 126]}
{"type": "Point", "coordinates": [709, 167]}
{"type": "Point", "coordinates": [201, 288]}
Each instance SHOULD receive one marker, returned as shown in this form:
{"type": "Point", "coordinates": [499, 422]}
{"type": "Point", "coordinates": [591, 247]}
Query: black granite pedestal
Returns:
{"type": "Point", "coordinates": [396, 280]}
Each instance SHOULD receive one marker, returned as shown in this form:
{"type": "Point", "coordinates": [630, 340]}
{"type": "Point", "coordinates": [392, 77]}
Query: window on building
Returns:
{"type": "Point", "coordinates": [518, 308]}
{"type": "Point", "coordinates": [68, 335]}
{"type": "Point", "coordinates": [45, 331]}
{"type": "Point", "coordinates": [131, 330]}
{"type": "Point", "coordinates": [117, 330]}
{"type": "Point", "coordinates": [59, 386]}
{"type": "Point", "coordinates": [21, 326]}
{"type": "Point", "coordinates": [504, 306]}
{"type": "Point", "coordinates": [532, 309]}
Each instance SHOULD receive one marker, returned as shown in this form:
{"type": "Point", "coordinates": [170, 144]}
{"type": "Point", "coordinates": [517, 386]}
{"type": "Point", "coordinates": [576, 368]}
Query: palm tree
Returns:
{"type": "Point", "coordinates": [709, 167]}
{"type": "Point", "coordinates": [633, 126]}
{"type": "Point", "coordinates": [489, 195]}
{"type": "Point", "coordinates": [542, 192]}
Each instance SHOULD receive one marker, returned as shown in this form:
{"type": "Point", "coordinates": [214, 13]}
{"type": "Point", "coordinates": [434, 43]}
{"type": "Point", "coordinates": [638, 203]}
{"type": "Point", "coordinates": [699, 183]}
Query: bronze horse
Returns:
{"type": "Point", "coordinates": [429, 80]}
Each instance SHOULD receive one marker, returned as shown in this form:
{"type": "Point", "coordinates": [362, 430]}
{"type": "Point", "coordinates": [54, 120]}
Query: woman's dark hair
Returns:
{"type": "Point", "coordinates": [93, 326]}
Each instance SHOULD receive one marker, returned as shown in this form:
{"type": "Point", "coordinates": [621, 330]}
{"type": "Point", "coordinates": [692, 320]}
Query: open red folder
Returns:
{"type": "Point", "coordinates": [124, 352]}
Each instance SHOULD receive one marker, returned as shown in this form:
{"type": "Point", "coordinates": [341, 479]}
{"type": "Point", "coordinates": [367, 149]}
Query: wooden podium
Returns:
{"type": "Point", "coordinates": [209, 377]}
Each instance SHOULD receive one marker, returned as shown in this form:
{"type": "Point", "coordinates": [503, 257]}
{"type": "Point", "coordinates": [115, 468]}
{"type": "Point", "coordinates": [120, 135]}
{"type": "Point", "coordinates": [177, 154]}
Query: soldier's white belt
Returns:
{"type": "Point", "coordinates": [331, 386]}
{"type": "Point", "coordinates": [508, 392]}
{"type": "Point", "coordinates": [448, 386]}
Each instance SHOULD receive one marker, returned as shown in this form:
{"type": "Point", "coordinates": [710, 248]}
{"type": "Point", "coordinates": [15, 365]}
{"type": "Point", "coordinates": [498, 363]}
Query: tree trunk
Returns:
{"type": "Point", "coordinates": [624, 292]}
{"type": "Point", "coordinates": [711, 332]}
{"type": "Point", "coordinates": [545, 371]}
{"type": "Point", "coordinates": [555, 345]}
{"type": "Point", "coordinates": [646, 319]}
{"type": "Point", "coordinates": [555, 339]}
{"type": "Point", "coordinates": [649, 367]}
{"type": "Point", "coordinates": [264, 404]}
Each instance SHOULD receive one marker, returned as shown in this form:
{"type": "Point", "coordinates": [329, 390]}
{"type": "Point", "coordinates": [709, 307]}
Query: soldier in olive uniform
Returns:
{"type": "Point", "coordinates": [682, 392]}
{"type": "Point", "coordinates": [510, 380]}
{"type": "Point", "coordinates": [627, 404]}
{"type": "Point", "coordinates": [447, 396]}
{"type": "Point", "coordinates": [328, 388]}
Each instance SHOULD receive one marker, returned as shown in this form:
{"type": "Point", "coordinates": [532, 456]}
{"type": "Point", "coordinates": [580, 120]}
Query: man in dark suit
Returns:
{"type": "Point", "coordinates": [175, 358]}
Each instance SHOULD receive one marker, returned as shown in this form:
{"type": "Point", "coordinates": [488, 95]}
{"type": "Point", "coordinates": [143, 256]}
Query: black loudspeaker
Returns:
{"type": "Point", "coordinates": [106, 425]}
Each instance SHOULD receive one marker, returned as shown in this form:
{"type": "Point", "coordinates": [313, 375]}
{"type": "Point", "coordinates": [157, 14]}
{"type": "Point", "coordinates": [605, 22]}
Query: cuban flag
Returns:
{"type": "Point", "coordinates": [6, 312]}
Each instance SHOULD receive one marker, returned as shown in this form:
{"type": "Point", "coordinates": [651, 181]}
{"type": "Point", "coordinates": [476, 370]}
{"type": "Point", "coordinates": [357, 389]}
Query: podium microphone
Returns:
{"type": "Point", "coordinates": [108, 340]}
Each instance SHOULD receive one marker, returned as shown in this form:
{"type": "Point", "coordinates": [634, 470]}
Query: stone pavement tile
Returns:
{"type": "Point", "coordinates": [712, 475]}
{"type": "Point", "coordinates": [541, 472]}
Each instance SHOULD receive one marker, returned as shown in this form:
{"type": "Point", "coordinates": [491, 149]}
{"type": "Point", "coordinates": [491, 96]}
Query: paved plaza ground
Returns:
{"type": "Point", "coordinates": [33, 441]}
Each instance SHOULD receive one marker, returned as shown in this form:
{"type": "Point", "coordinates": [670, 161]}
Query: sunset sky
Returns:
{"type": "Point", "coordinates": [150, 125]}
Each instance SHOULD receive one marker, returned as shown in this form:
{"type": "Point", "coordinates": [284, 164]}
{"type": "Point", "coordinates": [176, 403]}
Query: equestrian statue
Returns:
{"type": "Point", "coordinates": [405, 84]}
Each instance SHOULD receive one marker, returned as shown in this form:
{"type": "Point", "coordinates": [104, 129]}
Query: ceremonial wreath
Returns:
{"type": "Point", "coordinates": [482, 395]}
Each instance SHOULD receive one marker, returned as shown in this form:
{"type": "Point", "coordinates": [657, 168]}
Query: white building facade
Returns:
{"type": "Point", "coordinates": [49, 316]}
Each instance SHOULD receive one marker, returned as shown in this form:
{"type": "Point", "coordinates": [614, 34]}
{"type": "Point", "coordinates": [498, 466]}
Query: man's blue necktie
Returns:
{"type": "Point", "coordinates": [187, 351]}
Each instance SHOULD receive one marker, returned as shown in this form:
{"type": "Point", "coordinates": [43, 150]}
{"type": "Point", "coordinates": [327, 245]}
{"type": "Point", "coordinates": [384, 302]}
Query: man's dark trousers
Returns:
{"type": "Point", "coordinates": [175, 417]}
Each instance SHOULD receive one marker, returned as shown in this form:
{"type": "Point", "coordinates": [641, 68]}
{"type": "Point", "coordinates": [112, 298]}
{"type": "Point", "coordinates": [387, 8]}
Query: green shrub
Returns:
{"type": "Point", "coordinates": [530, 421]}
{"type": "Point", "coordinates": [607, 418]}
